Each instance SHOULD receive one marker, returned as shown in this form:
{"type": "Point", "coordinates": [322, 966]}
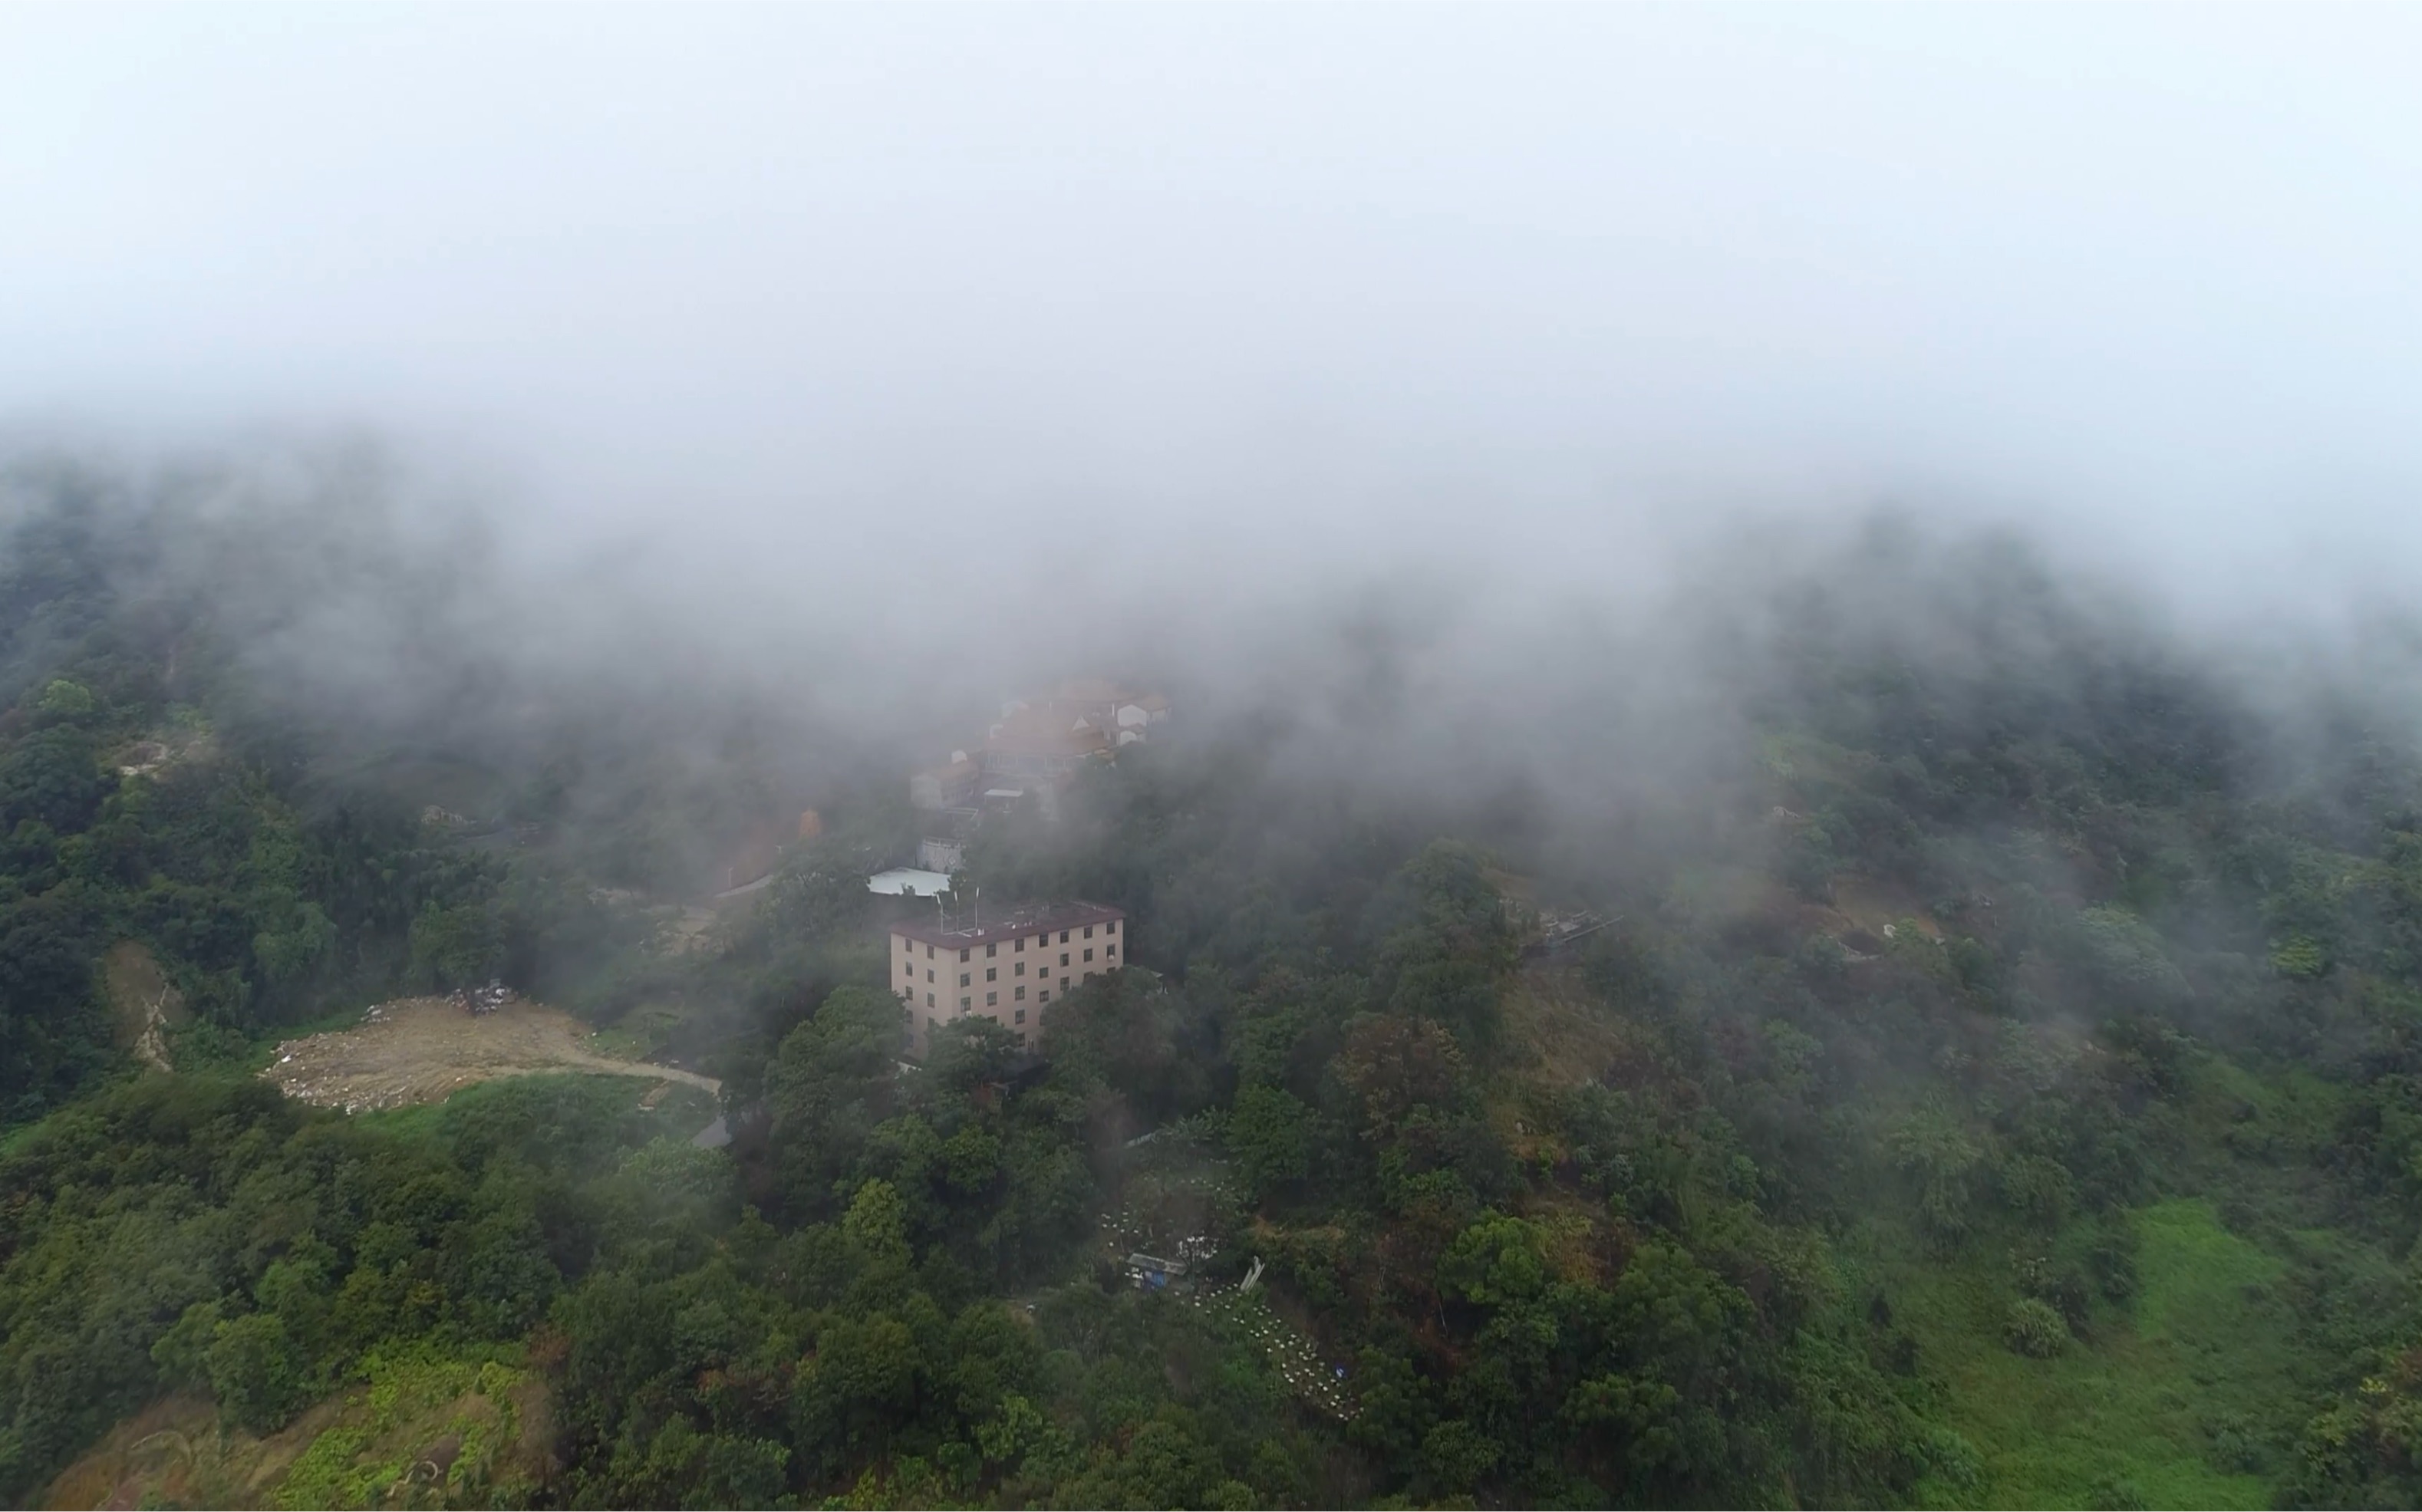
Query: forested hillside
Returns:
{"type": "Point", "coordinates": [1995, 1079]}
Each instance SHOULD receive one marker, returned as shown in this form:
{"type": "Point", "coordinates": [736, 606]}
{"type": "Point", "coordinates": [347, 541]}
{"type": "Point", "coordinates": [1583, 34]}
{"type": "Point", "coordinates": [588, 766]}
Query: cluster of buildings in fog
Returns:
{"type": "Point", "coordinates": [1007, 968]}
{"type": "Point", "coordinates": [1031, 752]}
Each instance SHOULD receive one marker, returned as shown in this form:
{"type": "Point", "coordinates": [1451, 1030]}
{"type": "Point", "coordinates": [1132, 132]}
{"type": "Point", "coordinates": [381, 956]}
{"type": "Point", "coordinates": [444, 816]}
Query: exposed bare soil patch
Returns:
{"type": "Point", "coordinates": [142, 1004]}
{"type": "Point", "coordinates": [1571, 1035]}
{"type": "Point", "coordinates": [176, 1453]}
{"type": "Point", "coordinates": [422, 1049]}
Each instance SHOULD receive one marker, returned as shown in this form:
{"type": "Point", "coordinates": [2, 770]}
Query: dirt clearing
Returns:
{"type": "Point", "coordinates": [142, 1004]}
{"type": "Point", "coordinates": [421, 1049]}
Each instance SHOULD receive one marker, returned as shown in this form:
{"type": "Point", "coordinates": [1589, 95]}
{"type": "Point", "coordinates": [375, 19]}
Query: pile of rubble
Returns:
{"type": "Point", "coordinates": [1559, 932]}
{"type": "Point", "coordinates": [481, 1001]}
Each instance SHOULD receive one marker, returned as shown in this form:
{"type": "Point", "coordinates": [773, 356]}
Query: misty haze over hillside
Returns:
{"type": "Point", "coordinates": [1736, 689]}
{"type": "Point", "coordinates": [1466, 412]}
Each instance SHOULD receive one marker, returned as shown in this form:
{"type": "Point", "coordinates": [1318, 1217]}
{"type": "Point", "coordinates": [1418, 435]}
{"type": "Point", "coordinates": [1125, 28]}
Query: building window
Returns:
{"type": "Point", "coordinates": [929, 952]}
{"type": "Point", "coordinates": [1063, 958]}
{"type": "Point", "coordinates": [1019, 970]}
{"type": "Point", "coordinates": [1089, 932]}
{"type": "Point", "coordinates": [929, 1003]}
{"type": "Point", "coordinates": [1110, 928]}
{"type": "Point", "coordinates": [929, 1023]}
{"type": "Point", "coordinates": [992, 973]}
{"type": "Point", "coordinates": [1109, 952]}
{"type": "Point", "coordinates": [991, 951]}
{"type": "Point", "coordinates": [964, 954]}
{"type": "Point", "coordinates": [1045, 996]}
{"type": "Point", "coordinates": [963, 979]}
{"type": "Point", "coordinates": [966, 1003]}
{"type": "Point", "coordinates": [929, 973]}
{"type": "Point", "coordinates": [991, 1000]}
{"type": "Point", "coordinates": [1020, 995]}
{"type": "Point", "coordinates": [909, 967]}
{"type": "Point", "coordinates": [1021, 1015]}
{"type": "Point", "coordinates": [908, 945]}
{"type": "Point", "coordinates": [1021, 942]}
{"type": "Point", "coordinates": [1063, 936]}
{"type": "Point", "coordinates": [1063, 984]}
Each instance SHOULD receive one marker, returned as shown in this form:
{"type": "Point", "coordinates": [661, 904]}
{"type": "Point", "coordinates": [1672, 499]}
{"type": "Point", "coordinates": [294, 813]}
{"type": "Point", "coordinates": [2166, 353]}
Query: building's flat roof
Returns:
{"type": "Point", "coordinates": [1009, 924]}
{"type": "Point", "coordinates": [908, 882]}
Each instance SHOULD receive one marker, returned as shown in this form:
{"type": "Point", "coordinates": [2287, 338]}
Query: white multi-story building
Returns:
{"type": "Point", "coordinates": [1006, 968]}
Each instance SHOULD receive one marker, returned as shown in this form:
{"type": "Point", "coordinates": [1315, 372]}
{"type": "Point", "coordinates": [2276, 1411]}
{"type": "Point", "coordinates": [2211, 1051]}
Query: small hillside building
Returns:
{"type": "Point", "coordinates": [952, 785]}
{"type": "Point", "coordinates": [1119, 712]}
{"type": "Point", "coordinates": [1032, 746]}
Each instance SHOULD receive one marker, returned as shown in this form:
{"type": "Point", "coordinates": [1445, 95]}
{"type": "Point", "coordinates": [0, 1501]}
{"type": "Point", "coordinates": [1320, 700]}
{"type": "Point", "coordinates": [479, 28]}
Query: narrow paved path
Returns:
{"type": "Point", "coordinates": [607, 1065]}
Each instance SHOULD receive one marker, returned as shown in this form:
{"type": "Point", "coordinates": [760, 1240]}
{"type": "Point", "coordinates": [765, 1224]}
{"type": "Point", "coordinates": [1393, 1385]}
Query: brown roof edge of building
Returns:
{"type": "Point", "coordinates": [1032, 733]}
{"type": "Point", "coordinates": [1029, 919]}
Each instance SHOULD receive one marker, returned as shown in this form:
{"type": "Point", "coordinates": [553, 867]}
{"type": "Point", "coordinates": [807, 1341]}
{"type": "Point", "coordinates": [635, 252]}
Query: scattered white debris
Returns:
{"type": "Point", "coordinates": [481, 1001]}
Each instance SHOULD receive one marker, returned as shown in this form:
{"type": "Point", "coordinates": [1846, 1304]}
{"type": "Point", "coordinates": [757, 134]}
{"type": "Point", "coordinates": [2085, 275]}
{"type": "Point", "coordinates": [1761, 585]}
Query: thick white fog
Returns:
{"type": "Point", "coordinates": [950, 324]}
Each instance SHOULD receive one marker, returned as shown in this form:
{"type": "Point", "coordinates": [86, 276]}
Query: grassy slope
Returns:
{"type": "Point", "coordinates": [680, 1113]}
{"type": "Point", "coordinates": [2190, 1394]}
{"type": "Point", "coordinates": [485, 1409]}
{"type": "Point", "coordinates": [486, 1419]}
{"type": "Point", "coordinates": [2205, 1341]}
{"type": "Point", "coordinates": [2144, 1410]}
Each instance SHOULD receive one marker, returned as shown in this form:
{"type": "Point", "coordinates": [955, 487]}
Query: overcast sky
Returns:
{"type": "Point", "coordinates": [1257, 289]}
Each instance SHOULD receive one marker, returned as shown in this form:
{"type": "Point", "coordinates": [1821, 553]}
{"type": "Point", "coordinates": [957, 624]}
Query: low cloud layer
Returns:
{"type": "Point", "coordinates": [1004, 334]}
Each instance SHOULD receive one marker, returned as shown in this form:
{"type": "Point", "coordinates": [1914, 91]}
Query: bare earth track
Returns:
{"type": "Point", "coordinates": [421, 1049]}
